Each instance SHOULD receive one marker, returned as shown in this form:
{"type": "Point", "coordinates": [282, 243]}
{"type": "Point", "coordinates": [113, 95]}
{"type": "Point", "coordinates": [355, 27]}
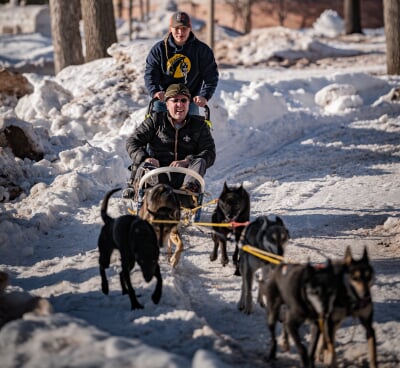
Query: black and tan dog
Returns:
{"type": "Point", "coordinates": [233, 206]}
{"type": "Point", "coordinates": [353, 299]}
{"type": "Point", "coordinates": [308, 293]}
{"type": "Point", "coordinates": [266, 235]}
{"type": "Point", "coordinates": [136, 241]}
{"type": "Point", "coordinates": [162, 204]}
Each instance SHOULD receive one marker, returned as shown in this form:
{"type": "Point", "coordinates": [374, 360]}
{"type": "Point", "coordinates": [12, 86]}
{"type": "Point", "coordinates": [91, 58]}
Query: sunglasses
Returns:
{"type": "Point", "coordinates": [176, 100]}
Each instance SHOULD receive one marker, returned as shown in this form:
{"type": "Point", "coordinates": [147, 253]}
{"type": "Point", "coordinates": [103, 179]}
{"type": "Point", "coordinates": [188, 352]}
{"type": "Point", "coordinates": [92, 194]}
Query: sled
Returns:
{"type": "Point", "coordinates": [189, 213]}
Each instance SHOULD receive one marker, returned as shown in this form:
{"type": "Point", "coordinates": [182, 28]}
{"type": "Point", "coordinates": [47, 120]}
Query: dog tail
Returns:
{"type": "Point", "coordinates": [104, 205]}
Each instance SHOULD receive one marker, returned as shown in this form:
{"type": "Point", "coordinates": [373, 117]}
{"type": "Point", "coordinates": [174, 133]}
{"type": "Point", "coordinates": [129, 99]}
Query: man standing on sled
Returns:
{"type": "Point", "coordinates": [172, 138]}
{"type": "Point", "coordinates": [181, 58]}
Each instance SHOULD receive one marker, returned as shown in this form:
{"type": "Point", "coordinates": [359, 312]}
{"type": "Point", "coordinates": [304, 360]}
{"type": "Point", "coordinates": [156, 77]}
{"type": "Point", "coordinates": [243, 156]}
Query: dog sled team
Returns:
{"type": "Point", "coordinates": [170, 152]}
{"type": "Point", "coordinates": [176, 137]}
{"type": "Point", "coordinates": [322, 295]}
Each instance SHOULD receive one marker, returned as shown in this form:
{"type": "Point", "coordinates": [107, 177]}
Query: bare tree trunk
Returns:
{"type": "Point", "coordinates": [282, 12]}
{"type": "Point", "coordinates": [141, 7]}
{"type": "Point", "coordinates": [67, 40]}
{"type": "Point", "coordinates": [247, 16]}
{"type": "Point", "coordinates": [99, 27]}
{"type": "Point", "coordinates": [147, 10]}
{"type": "Point", "coordinates": [210, 22]}
{"type": "Point", "coordinates": [130, 19]}
{"type": "Point", "coordinates": [391, 12]}
{"type": "Point", "coordinates": [352, 16]}
{"type": "Point", "coordinates": [119, 7]}
{"type": "Point", "coordinates": [236, 8]}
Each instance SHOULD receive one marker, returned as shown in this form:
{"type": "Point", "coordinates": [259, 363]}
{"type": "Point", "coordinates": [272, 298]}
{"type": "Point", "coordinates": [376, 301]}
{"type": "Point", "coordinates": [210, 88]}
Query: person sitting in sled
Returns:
{"type": "Point", "coordinates": [172, 138]}
{"type": "Point", "coordinates": [181, 58]}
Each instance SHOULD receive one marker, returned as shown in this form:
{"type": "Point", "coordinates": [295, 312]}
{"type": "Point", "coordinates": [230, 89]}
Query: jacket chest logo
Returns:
{"type": "Point", "coordinates": [178, 66]}
{"type": "Point", "coordinates": [186, 138]}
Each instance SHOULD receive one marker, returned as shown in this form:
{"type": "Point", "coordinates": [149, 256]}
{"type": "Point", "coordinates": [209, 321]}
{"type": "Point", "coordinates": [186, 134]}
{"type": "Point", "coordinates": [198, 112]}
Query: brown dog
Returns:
{"type": "Point", "coordinates": [161, 207]}
{"type": "Point", "coordinates": [353, 299]}
{"type": "Point", "coordinates": [308, 292]}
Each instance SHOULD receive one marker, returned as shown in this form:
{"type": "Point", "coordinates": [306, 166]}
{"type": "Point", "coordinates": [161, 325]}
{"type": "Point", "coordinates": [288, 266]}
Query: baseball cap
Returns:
{"type": "Point", "coordinates": [177, 89]}
{"type": "Point", "coordinates": [180, 19]}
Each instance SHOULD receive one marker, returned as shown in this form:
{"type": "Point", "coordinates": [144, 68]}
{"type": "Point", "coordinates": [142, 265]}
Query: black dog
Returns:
{"type": "Point", "coordinates": [136, 241]}
{"type": "Point", "coordinates": [353, 299]}
{"type": "Point", "coordinates": [233, 206]}
{"type": "Point", "coordinates": [266, 235]}
{"type": "Point", "coordinates": [308, 293]}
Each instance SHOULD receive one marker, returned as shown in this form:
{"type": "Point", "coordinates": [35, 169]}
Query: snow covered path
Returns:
{"type": "Point", "coordinates": [304, 182]}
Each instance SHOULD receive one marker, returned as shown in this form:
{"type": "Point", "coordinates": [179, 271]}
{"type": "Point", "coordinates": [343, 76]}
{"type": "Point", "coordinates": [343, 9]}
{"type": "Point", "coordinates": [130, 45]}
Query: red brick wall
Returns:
{"type": "Point", "coordinates": [299, 14]}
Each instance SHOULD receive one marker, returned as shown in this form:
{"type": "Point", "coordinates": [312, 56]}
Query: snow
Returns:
{"type": "Point", "coordinates": [329, 24]}
{"type": "Point", "coordinates": [318, 146]}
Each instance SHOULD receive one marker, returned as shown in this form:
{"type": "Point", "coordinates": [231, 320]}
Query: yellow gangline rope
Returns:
{"type": "Point", "coordinates": [257, 252]}
{"type": "Point", "coordinates": [193, 223]}
{"type": "Point", "coordinates": [211, 224]}
{"type": "Point", "coordinates": [262, 254]}
{"type": "Point", "coordinates": [193, 210]}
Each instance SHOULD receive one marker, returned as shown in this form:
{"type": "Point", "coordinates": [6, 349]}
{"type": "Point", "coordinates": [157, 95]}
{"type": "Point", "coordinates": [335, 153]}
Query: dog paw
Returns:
{"type": "Point", "coordinates": [174, 263]}
{"type": "Point", "coordinates": [104, 289]}
{"type": "Point", "coordinates": [245, 309]}
{"type": "Point", "coordinates": [174, 260]}
{"type": "Point", "coordinates": [156, 298]}
{"type": "Point", "coordinates": [285, 346]}
{"type": "Point", "coordinates": [137, 306]}
{"type": "Point", "coordinates": [213, 257]}
{"type": "Point", "coordinates": [262, 301]}
{"type": "Point", "coordinates": [271, 355]}
{"type": "Point", "coordinates": [235, 259]}
{"type": "Point", "coordinates": [224, 261]}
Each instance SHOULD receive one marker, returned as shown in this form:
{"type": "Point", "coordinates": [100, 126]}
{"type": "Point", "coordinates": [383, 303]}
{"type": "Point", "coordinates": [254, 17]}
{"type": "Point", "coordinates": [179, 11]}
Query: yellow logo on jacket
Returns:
{"type": "Point", "coordinates": [178, 66]}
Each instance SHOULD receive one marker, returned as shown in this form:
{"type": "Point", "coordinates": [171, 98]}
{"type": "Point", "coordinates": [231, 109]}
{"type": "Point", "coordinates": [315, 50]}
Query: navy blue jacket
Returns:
{"type": "Point", "coordinates": [167, 63]}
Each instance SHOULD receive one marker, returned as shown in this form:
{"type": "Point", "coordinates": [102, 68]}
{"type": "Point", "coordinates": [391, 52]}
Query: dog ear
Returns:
{"type": "Point", "coordinates": [154, 214]}
{"type": "Point", "coordinates": [225, 189]}
{"type": "Point", "coordinates": [309, 271]}
{"type": "Point", "coordinates": [279, 221]}
{"type": "Point", "coordinates": [348, 257]}
{"type": "Point", "coordinates": [263, 220]}
{"type": "Point", "coordinates": [365, 254]}
{"type": "Point", "coordinates": [328, 263]}
{"type": "Point", "coordinates": [241, 190]}
{"type": "Point", "coordinates": [265, 223]}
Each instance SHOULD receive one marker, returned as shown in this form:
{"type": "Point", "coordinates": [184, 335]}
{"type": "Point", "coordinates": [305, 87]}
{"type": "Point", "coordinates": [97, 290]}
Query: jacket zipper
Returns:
{"type": "Point", "coordinates": [176, 144]}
